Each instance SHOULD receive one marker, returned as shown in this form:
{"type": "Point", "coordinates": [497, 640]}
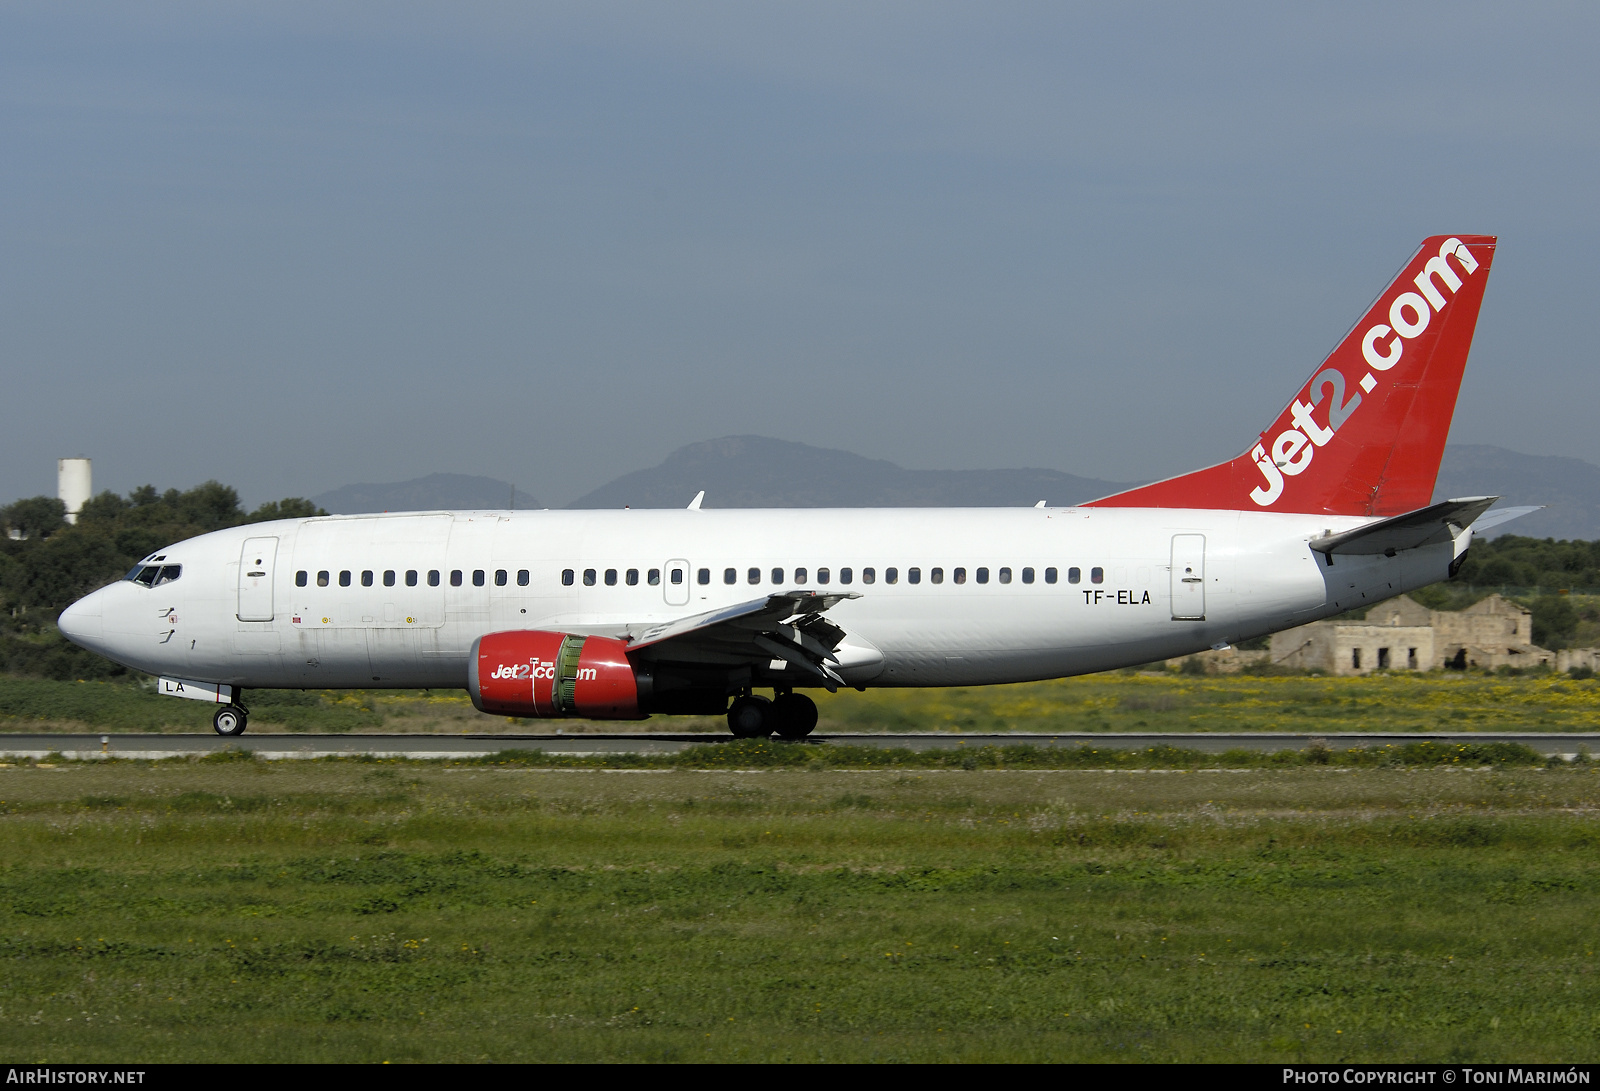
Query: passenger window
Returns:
{"type": "Point", "coordinates": [799, 575]}
{"type": "Point", "coordinates": [1027, 575]}
{"type": "Point", "coordinates": [522, 577]}
{"type": "Point", "coordinates": [777, 575]}
{"type": "Point", "coordinates": [1097, 575]}
{"type": "Point", "coordinates": [501, 577]}
{"type": "Point", "coordinates": [588, 577]}
{"type": "Point", "coordinates": [961, 575]}
{"type": "Point", "coordinates": [455, 577]}
{"type": "Point", "coordinates": [477, 577]}
{"type": "Point", "coordinates": [388, 577]}
{"type": "Point", "coordinates": [654, 577]}
{"type": "Point", "coordinates": [344, 578]}
{"type": "Point", "coordinates": [913, 575]}
{"type": "Point", "coordinates": [983, 575]}
{"type": "Point", "coordinates": [411, 577]}
{"type": "Point", "coordinates": [1074, 575]}
{"type": "Point", "coordinates": [846, 576]}
{"type": "Point", "coordinates": [869, 575]}
{"type": "Point", "coordinates": [891, 575]}
{"type": "Point", "coordinates": [633, 577]}
{"type": "Point", "coordinates": [366, 578]}
{"type": "Point", "coordinates": [300, 578]}
{"type": "Point", "coordinates": [677, 575]}
{"type": "Point", "coordinates": [936, 575]}
{"type": "Point", "coordinates": [753, 576]}
{"type": "Point", "coordinates": [567, 576]}
{"type": "Point", "coordinates": [1005, 575]}
{"type": "Point", "coordinates": [1050, 575]}
{"type": "Point", "coordinates": [704, 576]}
{"type": "Point", "coordinates": [433, 577]}
{"type": "Point", "coordinates": [611, 577]}
{"type": "Point", "coordinates": [730, 575]}
{"type": "Point", "coordinates": [823, 575]}
{"type": "Point", "coordinates": [322, 578]}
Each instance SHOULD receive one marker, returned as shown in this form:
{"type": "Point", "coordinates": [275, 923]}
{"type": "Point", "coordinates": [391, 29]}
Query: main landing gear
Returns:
{"type": "Point", "coordinates": [230, 720]}
{"type": "Point", "coordinates": [789, 716]}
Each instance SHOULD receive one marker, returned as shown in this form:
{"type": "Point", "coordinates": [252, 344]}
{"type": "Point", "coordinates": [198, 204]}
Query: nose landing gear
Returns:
{"type": "Point", "coordinates": [230, 720]}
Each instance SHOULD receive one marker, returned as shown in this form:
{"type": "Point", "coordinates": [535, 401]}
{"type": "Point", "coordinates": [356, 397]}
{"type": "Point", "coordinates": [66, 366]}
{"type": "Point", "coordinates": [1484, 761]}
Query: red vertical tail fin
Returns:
{"type": "Point", "coordinates": [1365, 434]}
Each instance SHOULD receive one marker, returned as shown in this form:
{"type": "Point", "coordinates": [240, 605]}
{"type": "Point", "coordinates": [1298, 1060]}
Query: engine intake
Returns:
{"type": "Point", "coordinates": [532, 673]}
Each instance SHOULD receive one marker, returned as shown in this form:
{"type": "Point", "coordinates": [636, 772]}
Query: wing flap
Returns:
{"type": "Point", "coordinates": [757, 615]}
{"type": "Point", "coordinates": [787, 626]}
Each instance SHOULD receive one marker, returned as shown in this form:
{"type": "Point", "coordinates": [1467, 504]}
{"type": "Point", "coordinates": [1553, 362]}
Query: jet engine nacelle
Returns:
{"type": "Point", "coordinates": [532, 673]}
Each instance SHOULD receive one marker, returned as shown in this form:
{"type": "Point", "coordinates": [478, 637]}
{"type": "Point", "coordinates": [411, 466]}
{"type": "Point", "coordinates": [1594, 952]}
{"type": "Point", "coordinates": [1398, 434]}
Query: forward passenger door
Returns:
{"type": "Point", "coordinates": [257, 560]}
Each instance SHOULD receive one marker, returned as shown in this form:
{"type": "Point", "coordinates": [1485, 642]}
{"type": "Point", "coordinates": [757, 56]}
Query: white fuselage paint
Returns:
{"type": "Point", "coordinates": [1259, 576]}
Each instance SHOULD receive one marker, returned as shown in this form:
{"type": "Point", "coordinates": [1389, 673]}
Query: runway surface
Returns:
{"type": "Point", "coordinates": [289, 746]}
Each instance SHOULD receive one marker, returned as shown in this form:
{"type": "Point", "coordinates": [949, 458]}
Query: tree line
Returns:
{"type": "Point", "coordinates": [46, 563]}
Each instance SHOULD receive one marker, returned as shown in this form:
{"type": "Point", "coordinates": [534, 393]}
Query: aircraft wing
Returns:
{"type": "Point", "coordinates": [1425, 526]}
{"type": "Point", "coordinates": [788, 625]}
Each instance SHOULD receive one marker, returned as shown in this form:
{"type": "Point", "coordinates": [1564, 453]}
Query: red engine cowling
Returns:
{"type": "Point", "coordinates": [533, 673]}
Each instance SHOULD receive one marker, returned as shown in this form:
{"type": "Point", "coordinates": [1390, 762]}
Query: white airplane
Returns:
{"type": "Point", "coordinates": [621, 614]}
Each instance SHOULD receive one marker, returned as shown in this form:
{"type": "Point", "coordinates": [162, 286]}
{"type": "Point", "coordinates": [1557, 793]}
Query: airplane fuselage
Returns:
{"type": "Point", "coordinates": [946, 596]}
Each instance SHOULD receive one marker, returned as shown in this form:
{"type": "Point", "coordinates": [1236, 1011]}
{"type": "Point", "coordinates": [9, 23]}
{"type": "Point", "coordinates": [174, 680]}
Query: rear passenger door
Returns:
{"type": "Point", "coordinates": [1188, 577]}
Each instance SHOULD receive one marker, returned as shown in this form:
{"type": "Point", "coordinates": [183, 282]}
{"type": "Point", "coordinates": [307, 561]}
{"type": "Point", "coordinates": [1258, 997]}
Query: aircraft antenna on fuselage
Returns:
{"type": "Point", "coordinates": [694, 505]}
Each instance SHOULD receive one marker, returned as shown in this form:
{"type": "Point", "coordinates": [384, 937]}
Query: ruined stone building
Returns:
{"type": "Point", "coordinates": [1402, 634]}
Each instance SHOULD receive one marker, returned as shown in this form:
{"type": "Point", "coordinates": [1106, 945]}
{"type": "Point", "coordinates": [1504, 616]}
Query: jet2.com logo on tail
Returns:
{"type": "Point", "coordinates": [1382, 346]}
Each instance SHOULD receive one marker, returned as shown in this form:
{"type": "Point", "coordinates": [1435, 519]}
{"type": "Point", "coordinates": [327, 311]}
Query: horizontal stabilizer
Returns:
{"type": "Point", "coordinates": [1503, 515]}
{"type": "Point", "coordinates": [1426, 526]}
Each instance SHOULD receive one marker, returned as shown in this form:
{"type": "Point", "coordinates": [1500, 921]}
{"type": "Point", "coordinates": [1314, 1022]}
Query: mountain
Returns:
{"type": "Point", "coordinates": [756, 472]}
{"type": "Point", "coordinates": [753, 471]}
{"type": "Point", "coordinates": [431, 493]}
{"type": "Point", "coordinates": [1569, 486]}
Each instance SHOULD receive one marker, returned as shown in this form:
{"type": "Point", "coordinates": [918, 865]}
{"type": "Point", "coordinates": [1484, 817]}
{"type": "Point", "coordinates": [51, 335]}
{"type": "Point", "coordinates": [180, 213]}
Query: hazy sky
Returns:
{"type": "Point", "coordinates": [295, 246]}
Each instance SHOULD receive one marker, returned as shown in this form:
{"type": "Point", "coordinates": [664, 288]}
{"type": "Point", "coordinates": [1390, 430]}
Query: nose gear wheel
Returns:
{"type": "Point", "coordinates": [230, 720]}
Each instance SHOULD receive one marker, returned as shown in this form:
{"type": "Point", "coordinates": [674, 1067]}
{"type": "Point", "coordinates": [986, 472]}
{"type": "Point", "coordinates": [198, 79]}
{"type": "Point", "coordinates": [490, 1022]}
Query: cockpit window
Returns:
{"type": "Point", "coordinates": [154, 575]}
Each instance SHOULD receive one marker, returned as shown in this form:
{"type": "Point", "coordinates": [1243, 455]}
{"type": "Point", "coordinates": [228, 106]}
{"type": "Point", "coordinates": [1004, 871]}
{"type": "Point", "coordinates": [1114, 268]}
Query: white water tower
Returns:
{"type": "Point", "coordinates": [73, 485]}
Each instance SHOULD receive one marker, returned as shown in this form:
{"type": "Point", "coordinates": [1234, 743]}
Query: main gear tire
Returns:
{"type": "Point", "coordinates": [751, 717]}
{"type": "Point", "coordinates": [796, 715]}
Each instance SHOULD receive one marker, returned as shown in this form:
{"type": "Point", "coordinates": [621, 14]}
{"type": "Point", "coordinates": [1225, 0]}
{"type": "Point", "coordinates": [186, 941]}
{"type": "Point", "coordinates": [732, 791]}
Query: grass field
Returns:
{"type": "Point", "coordinates": [243, 910]}
{"type": "Point", "coordinates": [1116, 701]}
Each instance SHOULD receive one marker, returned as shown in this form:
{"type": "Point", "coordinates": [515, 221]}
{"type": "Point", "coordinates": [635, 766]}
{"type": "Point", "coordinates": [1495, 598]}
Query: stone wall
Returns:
{"type": "Point", "coordinates": [1494, 632]}
{"type": "Point", "coordinates": [1354, 647]}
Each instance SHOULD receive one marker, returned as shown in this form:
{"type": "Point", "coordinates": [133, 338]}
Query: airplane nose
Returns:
{"type": "Point", "coordinates": [82, 622]}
